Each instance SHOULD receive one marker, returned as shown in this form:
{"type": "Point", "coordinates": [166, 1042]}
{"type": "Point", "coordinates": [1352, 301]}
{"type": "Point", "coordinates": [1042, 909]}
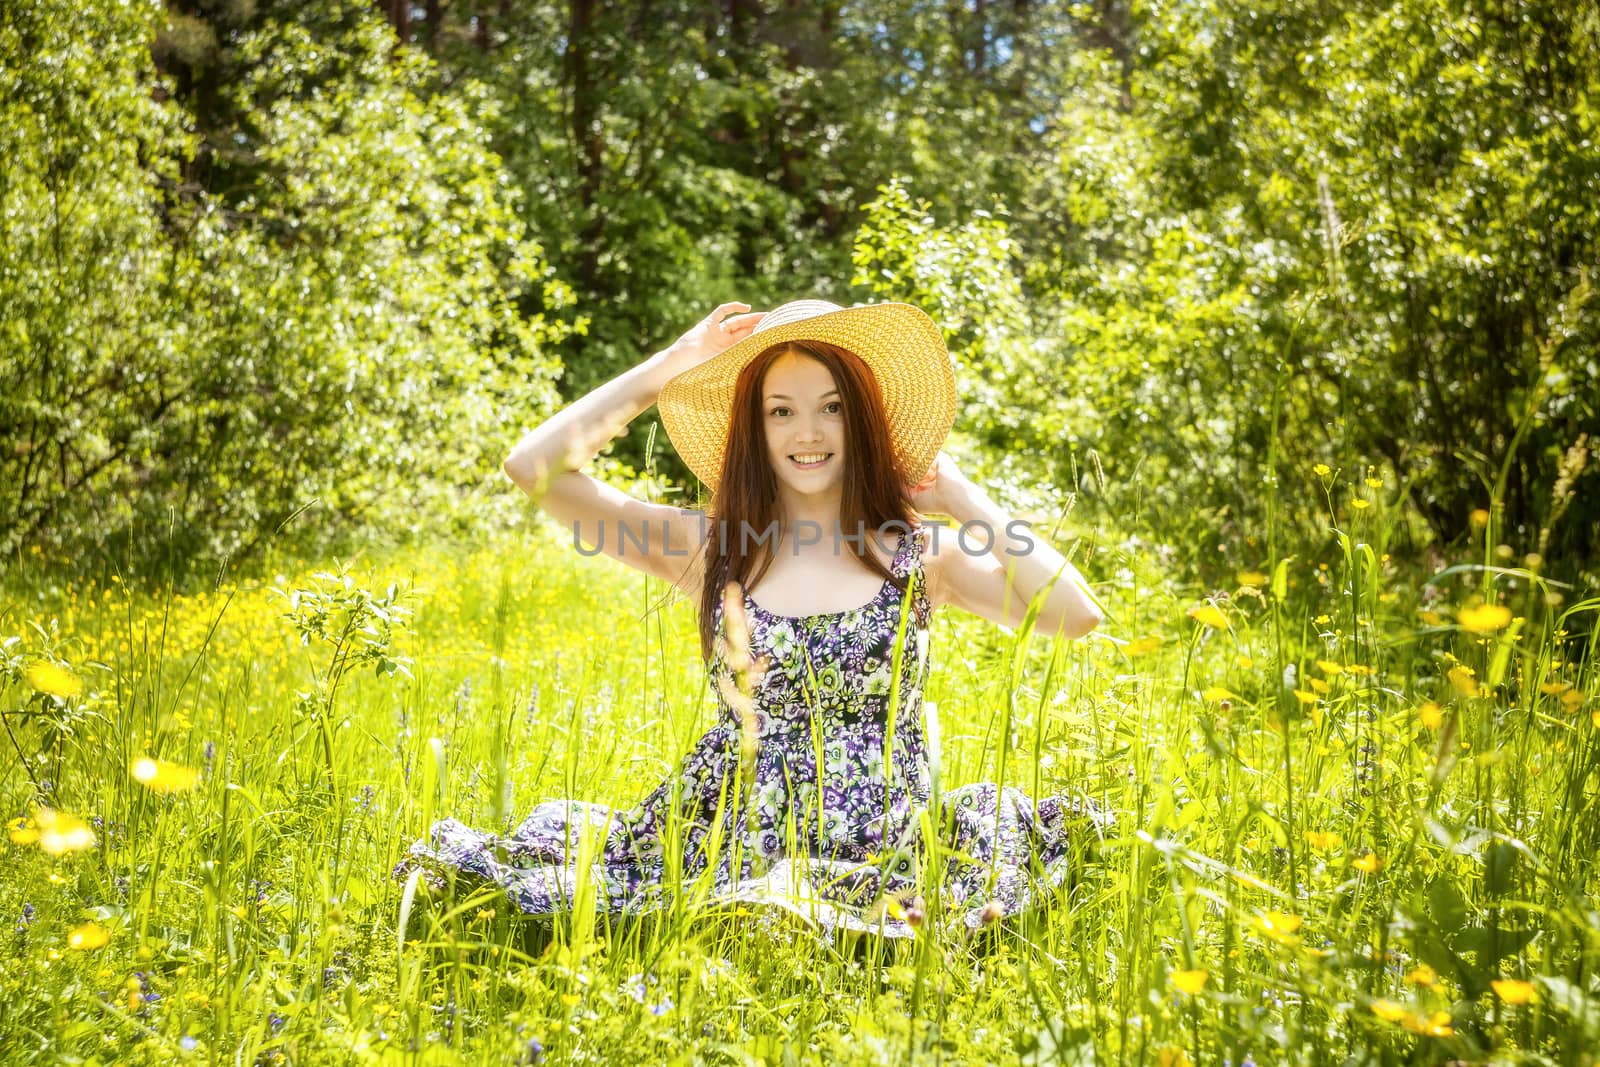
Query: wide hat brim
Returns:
{"type": "Point", "coordinates": [899, 342]}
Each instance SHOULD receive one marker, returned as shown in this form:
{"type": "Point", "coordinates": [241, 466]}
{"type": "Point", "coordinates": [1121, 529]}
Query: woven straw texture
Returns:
{"type": "Point", "coordinates": [899, 342]}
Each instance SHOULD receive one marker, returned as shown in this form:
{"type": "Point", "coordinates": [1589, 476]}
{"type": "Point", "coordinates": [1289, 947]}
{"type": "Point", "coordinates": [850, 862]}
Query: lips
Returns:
{"type": "Point", "coordinates": [810, 460]}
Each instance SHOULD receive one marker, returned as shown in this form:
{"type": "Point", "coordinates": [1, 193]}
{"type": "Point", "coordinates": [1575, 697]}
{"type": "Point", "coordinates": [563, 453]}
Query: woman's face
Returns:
{"type": "Point", "coordinates": [803, 418]}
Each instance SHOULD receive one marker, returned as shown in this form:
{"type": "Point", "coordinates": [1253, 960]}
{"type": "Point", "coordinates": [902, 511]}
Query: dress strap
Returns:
{"type": "Point", "coordinates": [908, 561]}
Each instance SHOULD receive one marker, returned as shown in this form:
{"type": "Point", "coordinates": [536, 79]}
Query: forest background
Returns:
{"type": "Point", "coordinates": [306, 270]}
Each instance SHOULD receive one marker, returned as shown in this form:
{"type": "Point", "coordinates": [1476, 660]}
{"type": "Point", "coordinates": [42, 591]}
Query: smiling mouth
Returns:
{"type": "Point", "coordinates": [810, 460]}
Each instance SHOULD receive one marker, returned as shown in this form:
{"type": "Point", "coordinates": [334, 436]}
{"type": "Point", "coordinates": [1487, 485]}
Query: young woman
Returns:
{"type": "Point", "coordinates": [818, 430]}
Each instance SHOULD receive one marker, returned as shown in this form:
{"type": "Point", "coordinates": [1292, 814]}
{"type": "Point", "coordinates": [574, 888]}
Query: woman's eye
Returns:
{"type": "Point", "coordinates": [778, 412]}
{"type": "Point", "coordinates": [834, 408]}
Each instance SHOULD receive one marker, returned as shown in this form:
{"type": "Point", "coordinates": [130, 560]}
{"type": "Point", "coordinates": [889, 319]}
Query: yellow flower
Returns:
{"type": "Point", "coordinates": [1142, 646]}
{"type": "Point", "coordinates": [1462, 680]}
{"type": "Point", "coordinates": [1209, 615]}
{"type": "Point", "coordinates": [1438, 1025]}
{"type": "Point", "coordinates": [1360, 505]}
{"type": "Point", "coordinates": [1328, 666]}
{"type": "Point", "coordinates": [1423, 975]}
{"type": "Point", "coordinates": [1189, 982]}
{"type": "Point", "coordinates": [1484, 619]}
{"type": "Point", "coordinates": [1172, 1056]}
{"type": "Point", "coordinates": [1388, 1011]}
{"type": "Point", "coordinates": [61, 832]}
{"type": "Point", "coordinates": [1431, 618]}
{"type": "Point", "coordinates": [1279, 922]}
{"type": "Point", "coordinates": [1252, 578]}
{"type": "Point", "coordinates": [1368, 863]}
{"type": "Point", "coordinates": [1431, 714]}
{"type": "Point", "coordinates": [569, 999]}
{"type": "Point", "coordinates": [1323, 620]}
{"type": "Point", "coordinates": [1554, 689]}
{"type": "Point", "coordinates": [48, 678]}
{"type": "Point", "coordinates": [1480, 516]}
{"type": "Point", "coordinates": [1514, 990]}
{"type": "Point", "coordinates": [23, 832]}
{"type": "Point", "coordinates": [1322, 470]}
{"type": "Point", "coordinates": [1216, 694]}
{"type": "Point", "coordinates": [1374, 483]}
{"type": "Point", "coordinates": [1243, 661]}
{"type": "Point", "coordinates": [1323, 840]}
{"type": "Point", "coordinates": [1319, 686]}
{"type": "Point", "coordinates": [88, 936]}
{"type": "Point", "coordinates": [1304, 697]}
{"type": "Point", "coordinates": [164, 777]}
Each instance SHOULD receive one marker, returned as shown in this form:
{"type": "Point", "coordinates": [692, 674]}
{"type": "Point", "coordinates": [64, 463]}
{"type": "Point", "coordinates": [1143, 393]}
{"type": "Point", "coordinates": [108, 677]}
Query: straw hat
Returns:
{"type": "Point", "coordinates": [901, 344]}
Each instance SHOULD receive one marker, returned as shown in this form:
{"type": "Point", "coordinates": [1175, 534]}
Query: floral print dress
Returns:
{"type": "Point", "coordinates": [812, 793]}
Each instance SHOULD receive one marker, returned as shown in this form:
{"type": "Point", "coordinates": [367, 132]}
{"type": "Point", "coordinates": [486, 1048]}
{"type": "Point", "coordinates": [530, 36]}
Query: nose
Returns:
{"type": "Point", "coordinates": [809, 430]}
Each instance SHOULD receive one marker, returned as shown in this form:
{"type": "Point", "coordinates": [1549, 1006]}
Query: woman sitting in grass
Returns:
{"type": "Point", "coordinates": [818, 430]}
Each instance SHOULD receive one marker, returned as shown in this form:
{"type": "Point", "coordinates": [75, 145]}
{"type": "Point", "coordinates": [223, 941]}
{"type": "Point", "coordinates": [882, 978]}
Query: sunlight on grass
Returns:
{"type": "Point", "coordinates": [1348, 814]}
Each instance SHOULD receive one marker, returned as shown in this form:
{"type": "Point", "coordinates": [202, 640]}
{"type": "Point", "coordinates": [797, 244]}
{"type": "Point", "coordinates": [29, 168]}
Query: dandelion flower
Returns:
{"type": "Point", "coordinates": [1172, 1056]}
{"type": "Point", "coordinates": [1216, 694]}
{"type": "Point", "coordinates": [1389, 1011]}
{"type": "Point", "coordinates": [1462, 680]}
{"type": "Point", "coordinates": [1254, 579]}
{"type": "Point", "coordinates": [1279, 923]}
{"type": "Point", "coordinates": [1435, 1025]}
{"type": "Point", "coordinates": [1329, 667]}
{"type": "Point", "coordinates": [22, 831]}
{"type": "Point", "coordinates": [1368, 863]}
{"type": "Point", "coordinates": [61, 832]}
{"type": "Point", "coordinates": [1305, 697]}
{"type": "Point", "coordinates": [1554, 689]}
{"type": "Point", "coordinates": [48, 678]}
{"type": "Point", "coordinates": [1243, 661]}
{"type": "Point", "coordinates": [1513, 990]}
{"type": "Point", "coordinates": [1142, 646]}
{"type": "Point", "coordinates": [1189, 982]}
{"type": "Point", "coordinates": [1323, 840]}
{"type": "Point", "coordinates": [1319, 686]}
{"type": "Point", "coordinates": [164, 777]}
{"type": "Point", "coordinates": [1431, 714]}
{"type": "Point", "coordinates": [1484, 619]}
{"type": "Point", "coordinates": [88, 936]}
{"type": "Point", "coordinates": [1423, 975]}
{"type": "Point", "coordinates": [1209, 615]}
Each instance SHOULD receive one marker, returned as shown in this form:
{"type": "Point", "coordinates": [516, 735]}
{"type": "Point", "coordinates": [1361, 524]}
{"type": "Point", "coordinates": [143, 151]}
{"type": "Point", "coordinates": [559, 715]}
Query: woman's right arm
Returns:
{"type": "Point", "coordinates": [547, 462]}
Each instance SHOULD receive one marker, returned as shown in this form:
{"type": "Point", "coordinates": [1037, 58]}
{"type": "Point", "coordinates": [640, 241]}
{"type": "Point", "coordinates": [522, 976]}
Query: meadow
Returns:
{"type": "Point", "coordinates": [1353, 801]}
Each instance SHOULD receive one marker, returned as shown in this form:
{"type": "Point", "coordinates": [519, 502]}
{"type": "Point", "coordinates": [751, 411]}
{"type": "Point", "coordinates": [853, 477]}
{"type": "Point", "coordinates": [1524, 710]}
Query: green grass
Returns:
{"type": "Point", "coordinates": [1351, 844]}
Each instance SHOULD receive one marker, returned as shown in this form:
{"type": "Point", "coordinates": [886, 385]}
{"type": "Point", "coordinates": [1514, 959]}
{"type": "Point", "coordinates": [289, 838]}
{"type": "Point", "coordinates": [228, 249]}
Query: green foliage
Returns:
{"type": "Point", "coordinates": [338, 322]}
{"type": "Point", "coordinates": [1354, 810]}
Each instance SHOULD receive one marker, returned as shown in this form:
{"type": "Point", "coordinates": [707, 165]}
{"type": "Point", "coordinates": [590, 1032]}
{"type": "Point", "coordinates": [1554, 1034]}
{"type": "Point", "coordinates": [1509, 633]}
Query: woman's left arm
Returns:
{"type": "Point", "coordinates": [992, 565]}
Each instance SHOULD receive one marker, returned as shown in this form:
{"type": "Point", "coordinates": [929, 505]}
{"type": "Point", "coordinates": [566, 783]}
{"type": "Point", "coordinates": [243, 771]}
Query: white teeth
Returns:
{"type": "Point", "coordinates": [817, 457]}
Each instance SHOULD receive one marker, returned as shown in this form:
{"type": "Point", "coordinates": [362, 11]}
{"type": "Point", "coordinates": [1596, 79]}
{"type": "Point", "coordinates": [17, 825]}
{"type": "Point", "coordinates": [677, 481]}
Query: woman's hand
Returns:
{"type": "Point", "coordinates": [940, 489]}
{"type": "Point", "coordinates": [722, 329]}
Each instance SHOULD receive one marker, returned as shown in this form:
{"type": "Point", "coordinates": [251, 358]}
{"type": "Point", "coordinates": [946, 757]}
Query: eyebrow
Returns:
{"type": "Point", "coordinates": [780, 396]}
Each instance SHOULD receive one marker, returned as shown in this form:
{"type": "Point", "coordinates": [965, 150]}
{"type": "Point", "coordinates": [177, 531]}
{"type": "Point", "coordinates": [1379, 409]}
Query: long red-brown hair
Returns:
{"type": "Point", "coordinates": [875, 495]}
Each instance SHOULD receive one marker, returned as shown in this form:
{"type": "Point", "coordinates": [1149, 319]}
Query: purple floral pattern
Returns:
{"type": "Point", "coordinates": [822, 815]}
